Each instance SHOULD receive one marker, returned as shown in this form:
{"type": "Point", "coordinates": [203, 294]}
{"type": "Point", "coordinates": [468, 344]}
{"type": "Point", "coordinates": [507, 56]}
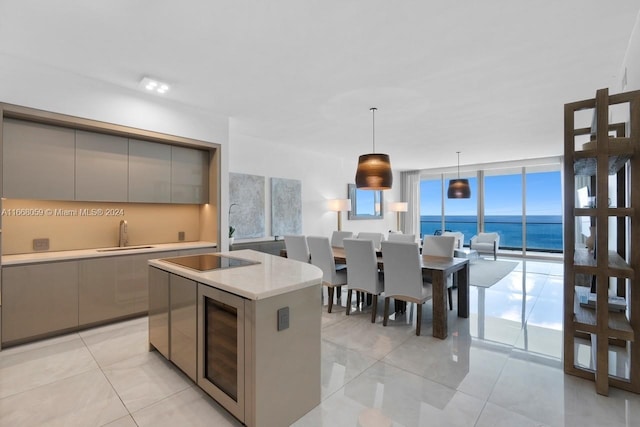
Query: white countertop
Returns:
{"type": "Point", "coordinates": [274, 275]}
{"type": "Point", "coordinates": [37, 257]}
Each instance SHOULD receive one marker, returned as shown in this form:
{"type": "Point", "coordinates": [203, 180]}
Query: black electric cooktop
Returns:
{"type": "Point", "coordinates": [207, 262]}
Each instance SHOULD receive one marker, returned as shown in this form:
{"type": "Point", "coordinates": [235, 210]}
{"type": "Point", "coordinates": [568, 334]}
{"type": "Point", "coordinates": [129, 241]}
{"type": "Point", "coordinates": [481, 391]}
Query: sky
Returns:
{"type": "Point", "coordinates": [503, 196]}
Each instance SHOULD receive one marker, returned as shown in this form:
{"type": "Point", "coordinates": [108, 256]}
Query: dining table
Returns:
{"type": "Point", "coordinates": [440, 268]}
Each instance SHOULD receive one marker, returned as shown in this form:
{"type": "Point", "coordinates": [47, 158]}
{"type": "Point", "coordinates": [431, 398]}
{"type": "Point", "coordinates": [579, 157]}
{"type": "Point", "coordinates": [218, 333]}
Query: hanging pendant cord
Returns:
{"type": "Point", "coordinates": [458, 164]}
{"type": "Point", "coordinates": [373, 112]}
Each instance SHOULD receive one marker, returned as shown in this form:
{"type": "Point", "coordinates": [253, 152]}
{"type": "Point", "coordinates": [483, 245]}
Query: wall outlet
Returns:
{"type": "Point", "coordinates": [283, 318]}
{"type": "Point", "coordinates": [181, 236]}
{"type": "Point", "coordinates": [40, 244]}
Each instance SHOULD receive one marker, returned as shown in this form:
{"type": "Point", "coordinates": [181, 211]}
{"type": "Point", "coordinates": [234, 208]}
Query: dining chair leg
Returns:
{"type": "Point", "coordinates": [418, 318]}
{"type": "Point", "coordinates": [386, 311]}
{"type": "Point", "coordinates": [374, 309]}
{"type": "Point", "coordinates": [349, 293]}
{"type": "Point", "coordinates": [450, 293]}
{"type": "Point", "coordinates": [330, 292]}
{"type": "Point", "coordinates": [339, 292]}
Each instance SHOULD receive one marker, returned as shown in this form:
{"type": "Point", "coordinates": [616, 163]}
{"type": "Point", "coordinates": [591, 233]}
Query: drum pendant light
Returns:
{"type": "Point", "coordinates": [374, 169]}
{"type": "Point", "coordinates": [459, 188]}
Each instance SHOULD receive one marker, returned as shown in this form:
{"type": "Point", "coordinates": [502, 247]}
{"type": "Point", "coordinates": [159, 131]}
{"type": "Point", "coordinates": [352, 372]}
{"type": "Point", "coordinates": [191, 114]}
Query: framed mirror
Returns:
{"type": "Point", "coordinates": [365, 204]}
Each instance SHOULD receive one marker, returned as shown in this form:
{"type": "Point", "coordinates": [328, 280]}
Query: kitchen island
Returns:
{"type": "Point", "coordinates": [248, 335]}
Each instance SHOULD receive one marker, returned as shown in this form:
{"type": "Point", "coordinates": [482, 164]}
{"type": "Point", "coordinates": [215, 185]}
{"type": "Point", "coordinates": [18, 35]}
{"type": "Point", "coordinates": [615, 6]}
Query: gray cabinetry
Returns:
{"type": "Point", "coordinates": [108, 288]}
{"type": "Point", "coordinates": [149, 172]}
{"type": "Point", "coordinates": [38, 161]}
{"type": "Point", "coordinates": [189, 175]}
{"type": "Point", "coordinates": [39, 299]}
{"type": "Point", "coordinates": [114, 287]}
{"type": "Point", "coordinates": [101, 167]}
{"type": "Point", "coordinates": [159, 310]}
{"type": "Point", "coordinates": [183, 294]}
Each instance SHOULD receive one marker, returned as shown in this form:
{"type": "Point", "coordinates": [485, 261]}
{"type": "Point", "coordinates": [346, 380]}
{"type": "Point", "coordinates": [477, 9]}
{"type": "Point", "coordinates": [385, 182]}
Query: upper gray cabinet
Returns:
{"type": "Point", "coordinates": [45, 162]}
{"type": "Point", "coordinates": [101, 167]}
{"type": "Point", "coordinates": [38, 161]}
{"type": "Point", "coordinates": [189, 175]}
{"type": "Point", "coordinates": [149, 172]}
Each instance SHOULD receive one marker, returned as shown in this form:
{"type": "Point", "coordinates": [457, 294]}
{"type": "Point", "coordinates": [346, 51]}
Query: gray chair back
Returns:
{"type": "Point", "coordinates": [443, 246]}
{"type": "Point", "coordinates": [338, 236]}
{"type": "Point", "coordinates": [297, 248]}
{"type": "Point", "coordinates": [322, 257]}
{"type": "Point", "coordinates": [398, 237]}
{"type": "Point", "coordinates": [362, 266]}
{"type": "Point", "coordinates": [375, 237]}
{"type": "Point", "coordinates": [402, 271]}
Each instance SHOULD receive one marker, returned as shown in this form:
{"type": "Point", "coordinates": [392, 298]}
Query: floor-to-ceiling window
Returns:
{"type": "Point", "coordinates": [522, 203]}
{"type": "Point", "coordinates": [503, 206]}
{"type": "Point", "coordinates": [430, 205]}
{"type": "Point", "coordinates": [544, 210]}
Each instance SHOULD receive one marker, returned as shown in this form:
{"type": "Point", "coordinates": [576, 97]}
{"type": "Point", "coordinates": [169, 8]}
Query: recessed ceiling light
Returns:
{"type": "Point", "coordinates": [153, 85]}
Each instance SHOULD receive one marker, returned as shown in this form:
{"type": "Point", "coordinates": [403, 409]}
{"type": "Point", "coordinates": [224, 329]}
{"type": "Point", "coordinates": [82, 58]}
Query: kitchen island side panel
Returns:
{"type": "Point", "coordinates": [284, 373]}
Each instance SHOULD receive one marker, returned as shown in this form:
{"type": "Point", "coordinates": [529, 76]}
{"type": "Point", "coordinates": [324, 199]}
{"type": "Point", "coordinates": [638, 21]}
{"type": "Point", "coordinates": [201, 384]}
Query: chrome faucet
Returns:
{"type": "Point", "coordinates": [123, 239]}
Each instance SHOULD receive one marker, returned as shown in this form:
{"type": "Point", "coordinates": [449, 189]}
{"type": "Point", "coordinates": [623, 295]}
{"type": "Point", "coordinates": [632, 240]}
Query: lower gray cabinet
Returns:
{"type": "Point", "coordinates": [183, 298]}
{"type": "Point", "coordinates": [114, 287]}
{"type": "Point", "coordinates": [39, 299]}
{"type": "Point", "coordinates": [109, 288]}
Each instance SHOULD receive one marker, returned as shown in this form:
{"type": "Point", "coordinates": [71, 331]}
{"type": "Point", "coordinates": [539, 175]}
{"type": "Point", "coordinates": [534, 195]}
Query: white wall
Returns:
{"type": "Point", "coordinates": [631, 63]}
{"type": "Point", "coordinates": [323, 176]}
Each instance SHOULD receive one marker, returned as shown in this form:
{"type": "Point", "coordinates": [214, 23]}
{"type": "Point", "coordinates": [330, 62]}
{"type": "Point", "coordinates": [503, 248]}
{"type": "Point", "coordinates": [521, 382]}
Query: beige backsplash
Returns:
{"type": "Point", "coordinates": [147, 224]}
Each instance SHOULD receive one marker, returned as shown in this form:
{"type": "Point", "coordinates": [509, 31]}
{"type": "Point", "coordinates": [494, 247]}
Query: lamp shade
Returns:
{"type": "Point", "coordinates": [340, 205]}
{"type": "Point", "coordinates": [399, 207]}
{"type": "Point", "coordinates": [459, 189]}
{"type": "Point", "coordinates": [374, 172]}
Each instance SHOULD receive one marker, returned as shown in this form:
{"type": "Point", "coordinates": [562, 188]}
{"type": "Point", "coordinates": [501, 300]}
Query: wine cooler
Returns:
{"type": "Point", "coordinates": [221, 367]}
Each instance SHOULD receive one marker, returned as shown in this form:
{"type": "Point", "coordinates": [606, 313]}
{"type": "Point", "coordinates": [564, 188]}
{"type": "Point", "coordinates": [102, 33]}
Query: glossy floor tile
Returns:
{"type": "Point", "coordinates": [501, 366]}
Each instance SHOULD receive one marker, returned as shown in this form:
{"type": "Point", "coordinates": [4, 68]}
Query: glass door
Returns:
{"type": "Point", "coordinates": [503, 207]}
{"type": "Point", "coordinates": [221, 348]}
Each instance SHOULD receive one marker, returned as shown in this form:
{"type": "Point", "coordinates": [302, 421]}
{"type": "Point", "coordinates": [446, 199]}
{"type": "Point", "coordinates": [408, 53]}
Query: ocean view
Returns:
{"type": "Point", "coordinates": [544, 232]}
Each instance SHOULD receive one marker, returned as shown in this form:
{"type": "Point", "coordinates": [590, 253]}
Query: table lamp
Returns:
{"type": "Point", "coordinates": [339, 205]}
{"type": "Point", "coordinates": [398, 207]}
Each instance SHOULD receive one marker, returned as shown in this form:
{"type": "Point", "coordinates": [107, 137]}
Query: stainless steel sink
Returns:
{"type": "Point", "coordinates": [124, 248]}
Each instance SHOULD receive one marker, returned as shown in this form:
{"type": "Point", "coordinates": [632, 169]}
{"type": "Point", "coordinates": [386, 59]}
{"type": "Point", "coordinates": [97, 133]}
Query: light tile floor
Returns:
{"type": "Point", "coordinates": [500, 367]}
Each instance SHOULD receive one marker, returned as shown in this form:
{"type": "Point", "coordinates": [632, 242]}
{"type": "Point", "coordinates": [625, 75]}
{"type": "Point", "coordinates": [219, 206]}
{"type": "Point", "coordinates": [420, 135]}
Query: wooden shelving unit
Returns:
{"type": "Point", "coordinates": [604, 156]}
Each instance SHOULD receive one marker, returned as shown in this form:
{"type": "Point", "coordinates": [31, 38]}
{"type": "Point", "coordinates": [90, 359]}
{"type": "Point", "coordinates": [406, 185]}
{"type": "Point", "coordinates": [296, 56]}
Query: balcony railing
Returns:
{"type": "Point", "coordinates": [544, 233]}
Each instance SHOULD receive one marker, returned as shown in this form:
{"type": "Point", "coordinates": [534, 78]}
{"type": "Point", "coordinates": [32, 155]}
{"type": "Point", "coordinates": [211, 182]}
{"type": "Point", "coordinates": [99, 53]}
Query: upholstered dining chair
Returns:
{"type": "Point", "coordinates": [398, 237]}
{"type": "Point", "coordinates": [375, 237]}
{"type": "Point", "coordinates": [459, 238]}
{"type": "Point", "coordinates": [443, 246]}
{"type": "Point", "coordinates": [338, 236]}
{"type": "Point", "coordinates": [403, 278]}
{"type": "Point", "coordinates": [322, 257]}
{"type": "Point", "coordinates": [487, 243]}
{"type": "Point", "coordinates": [362, 272]}
{"type": "Point", "coordinates": [297, 248]}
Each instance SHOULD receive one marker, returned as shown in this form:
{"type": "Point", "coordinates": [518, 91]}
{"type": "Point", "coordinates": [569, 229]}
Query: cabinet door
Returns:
{"type": "Point", "coordinates": [183, 294]}
{"type": "Point", "coordinates": [159, 310]}
{"type": "Point", "coordinates": [113, 287]}
{"type": "Point", "coordinates": [101, 167]}
{"type": "Point", "coordinates": [189, 175]}
{"type": "Point", "coordinates": [38, 161]}
{"type": "Point", "coordinates": [149, 172]}
{"type": "Point", "coordinates": [39, 299]}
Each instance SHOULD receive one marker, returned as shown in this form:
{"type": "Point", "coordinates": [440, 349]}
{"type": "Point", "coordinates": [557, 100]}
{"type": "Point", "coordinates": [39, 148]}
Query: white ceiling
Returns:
{"type": "Point", "coordinates": [487, 78]}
